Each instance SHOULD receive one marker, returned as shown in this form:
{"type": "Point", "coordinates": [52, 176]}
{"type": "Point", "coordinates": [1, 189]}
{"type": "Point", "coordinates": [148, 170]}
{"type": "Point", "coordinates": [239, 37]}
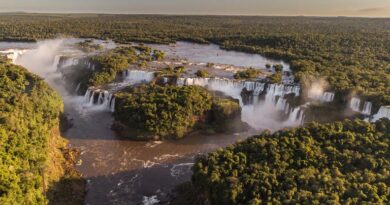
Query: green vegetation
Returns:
{"type": "Point", "coordinates": [202, 74]}
{"type": "Point", "coordinates": [88, 46]}
{"type": "Point", "coordinates": [351, 53]}
{"type": "Point", "coordinates": [158, 55]}
{"type": "Point", "coordinates": [170, 111]}
{"type": "Point", "coordinates": [170, 72]}
{"type": "Point", "coordinates": [278, 68]}
{"type": "Point", "coordinates": [32, 153]}
{"type": "Point", "coordinates": [250, 73]}
{"type": "Point", "coordinates": [338, 163]}
{"type": "Point", "coordinates": [109, 64]}
{"type": "Point", "coordinates": [275, 78]}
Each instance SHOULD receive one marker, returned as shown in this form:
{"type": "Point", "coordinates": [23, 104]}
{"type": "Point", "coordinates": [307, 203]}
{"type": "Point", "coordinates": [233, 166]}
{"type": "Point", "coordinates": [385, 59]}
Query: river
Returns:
{"type": "Point", "coordinates": [120, 171]}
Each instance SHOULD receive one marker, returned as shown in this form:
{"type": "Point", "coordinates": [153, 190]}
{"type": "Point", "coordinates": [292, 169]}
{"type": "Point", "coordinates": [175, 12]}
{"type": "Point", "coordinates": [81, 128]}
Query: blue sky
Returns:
{"type": "Point", "coordinates": [376, 8]}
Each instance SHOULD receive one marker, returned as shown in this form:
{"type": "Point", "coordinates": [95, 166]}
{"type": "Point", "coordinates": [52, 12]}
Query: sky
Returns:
{"type": "Point", "coordinates": [365, 8]}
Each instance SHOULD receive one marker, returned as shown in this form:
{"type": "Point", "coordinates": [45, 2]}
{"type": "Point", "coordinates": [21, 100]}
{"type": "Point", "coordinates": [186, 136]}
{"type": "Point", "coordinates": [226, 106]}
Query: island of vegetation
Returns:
{"type": "Point", "coordinates": [247, 74]}
{"type": "Point", "coordinates": [36, 167]}
{"type": "Point", "coordinates": [89, 46]}
{"type": "Point", "coordinates": [338, 163]}
{"type": "Point", "coordinates": [155, 112]}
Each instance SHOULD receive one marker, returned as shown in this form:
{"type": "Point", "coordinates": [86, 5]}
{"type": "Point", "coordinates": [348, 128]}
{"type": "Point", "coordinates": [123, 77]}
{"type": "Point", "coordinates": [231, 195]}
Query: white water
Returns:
{"type": "Point", "coordinates": [264, 114]}
{"type": "Point", "coordinates": [384, 112]}
{"type": "Point", "coordinates": [105, 100]}
{"type": "Point", "coordinates": [104, 156]}
{"type": "Point", "coordinates": [150, 200]}
{"type": "Point", "coordinates": [137, 76]}
{"type": "Point", "coordinates": [13, 54]}
{"type": "Point", "coordinates": [367, 108]}
{"type": "Point", "coordinates": [321, 96]}
{"type": "Point", "coordinates": [355, 105]}
{"type": "Point", "coordinates": [102, 99]}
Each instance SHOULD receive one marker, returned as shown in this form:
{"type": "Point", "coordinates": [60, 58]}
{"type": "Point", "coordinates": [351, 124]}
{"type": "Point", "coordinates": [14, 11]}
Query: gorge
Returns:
{"type": "Point", "coordinates": [117, 169]}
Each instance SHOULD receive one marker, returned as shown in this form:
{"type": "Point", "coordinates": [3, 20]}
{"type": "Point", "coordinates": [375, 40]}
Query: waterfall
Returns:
{"type": "Point", "coordinates": [234, 88]}
{"type": "Point", "coordinates": [13, 54]}
{"type": "Point", "coordinates": [105, 100]}
{"type": "Point", "coordinates": [296, 117]}
{"type": "Point", "coordinates": [56, 61]}
{"type": "Point", "coordinates": [384, 112]}
{"type": "Point", "coordinates": [321, 96]}
{"type": "Point", "coordinates": [263, 114]}
{"type": "Point", "coordinates": [355, 104]}
{"type": "Point", "coordinates": [327, 97]}
{"type": "Point", "coordinates": [367, 108]}
{"type": "Point", "coordinates": [67, 62]}
{"type": "Point", "coordinates": [282, 90]}
{"type": "Point", "coordinates": [78, 88]}
{"type": "Point", "coordinates": [137, 76]}
{"type": "Point", "coordinates": [112, 104]}
{"type": "Point", "coordinates": [282, 104]}
{"type": "Point", "coordinates": [259, 88]}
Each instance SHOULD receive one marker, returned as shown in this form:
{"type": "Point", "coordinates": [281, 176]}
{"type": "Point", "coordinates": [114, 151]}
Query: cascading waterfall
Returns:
{"type": "Point", "coordinates": [100, 98]}
{"type": "Point", "coordinates": [327, 97]}
{"type": "Point", "coordinates": [137, 76]}
{"type": "Point", "coordinates": [296, 117]}
{"type": "Point", "coordinates": [259, 88]}
{"type": "Point", "coordinates": [105, 99]}
{"type": "Point", "coordinates": [367, 108]}
{"type": "Point", "coordinates": [77, 88]}
{"type": "Point", "coordinates": [322, 96]}
{"type": "Point", "coordinates": [67, 62]}
{"type": "Point", "coordinates": [384, 112]}
{"type": "Point", "coordinates": [56, 61]}
{"type": "Point", "coordinates": [13, 54]}
{"type": "Point", "coordinates": [228, 87]}
{"type": "Point", "coordinates": [261, 114]}
{"type": "Point", "coordinates": [355, 104]}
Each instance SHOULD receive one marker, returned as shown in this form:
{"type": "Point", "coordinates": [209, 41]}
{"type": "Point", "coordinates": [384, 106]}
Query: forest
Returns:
{"type": "Point", "coordinates": [35, 163]}
{"type": "Point", "coordinates": [338, 163]}
{"type": "Point", "coordinates": [173, 111]}
{"type": "Point", "coordinates": [343, 162]}
{"type": "Point", "coordinates": [352, 54]}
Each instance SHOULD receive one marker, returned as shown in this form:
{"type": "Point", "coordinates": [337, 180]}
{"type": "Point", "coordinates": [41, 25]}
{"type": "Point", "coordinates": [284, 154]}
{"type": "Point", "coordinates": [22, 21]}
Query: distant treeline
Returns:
{"type": "Point", "coordinates": [352, 53]}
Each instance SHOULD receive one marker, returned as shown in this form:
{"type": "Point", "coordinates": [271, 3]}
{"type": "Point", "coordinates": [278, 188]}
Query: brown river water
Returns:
{"type": "Point", "coordinates": [121, 171]}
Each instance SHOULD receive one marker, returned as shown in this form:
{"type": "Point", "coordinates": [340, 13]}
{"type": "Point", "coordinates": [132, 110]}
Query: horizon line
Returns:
{"type": "Point", "coordinates": [198, 14]}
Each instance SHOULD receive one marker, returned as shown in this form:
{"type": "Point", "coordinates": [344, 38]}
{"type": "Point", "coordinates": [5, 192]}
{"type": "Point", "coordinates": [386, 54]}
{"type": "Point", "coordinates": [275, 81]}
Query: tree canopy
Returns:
{"type": "Point", "coordinates": [338, 163]}
{"type": "Point", "coordinates": [172, 111]}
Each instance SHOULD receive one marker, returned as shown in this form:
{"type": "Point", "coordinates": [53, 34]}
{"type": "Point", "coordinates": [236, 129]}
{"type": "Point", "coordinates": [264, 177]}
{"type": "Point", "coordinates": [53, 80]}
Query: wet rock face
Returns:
{"type": "Point", "coordinates": [225, 116]}
{"type": "Point", "coordinates": [247, 97]}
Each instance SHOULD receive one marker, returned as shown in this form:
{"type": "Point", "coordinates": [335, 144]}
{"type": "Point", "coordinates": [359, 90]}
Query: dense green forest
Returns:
{"type": "Point", "coordinates": [351, 53]}
{"type": "Point", "coordinates": [33, 157]}
{"type": "Point", "coordinates": [338, 163]}
{"type": "Point", "coordinates": [173, 111]}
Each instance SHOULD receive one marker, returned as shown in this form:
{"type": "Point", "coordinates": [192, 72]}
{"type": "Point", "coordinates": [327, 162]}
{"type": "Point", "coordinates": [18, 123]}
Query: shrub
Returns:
{"type": "Point", "coordinates": [202, 73]}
